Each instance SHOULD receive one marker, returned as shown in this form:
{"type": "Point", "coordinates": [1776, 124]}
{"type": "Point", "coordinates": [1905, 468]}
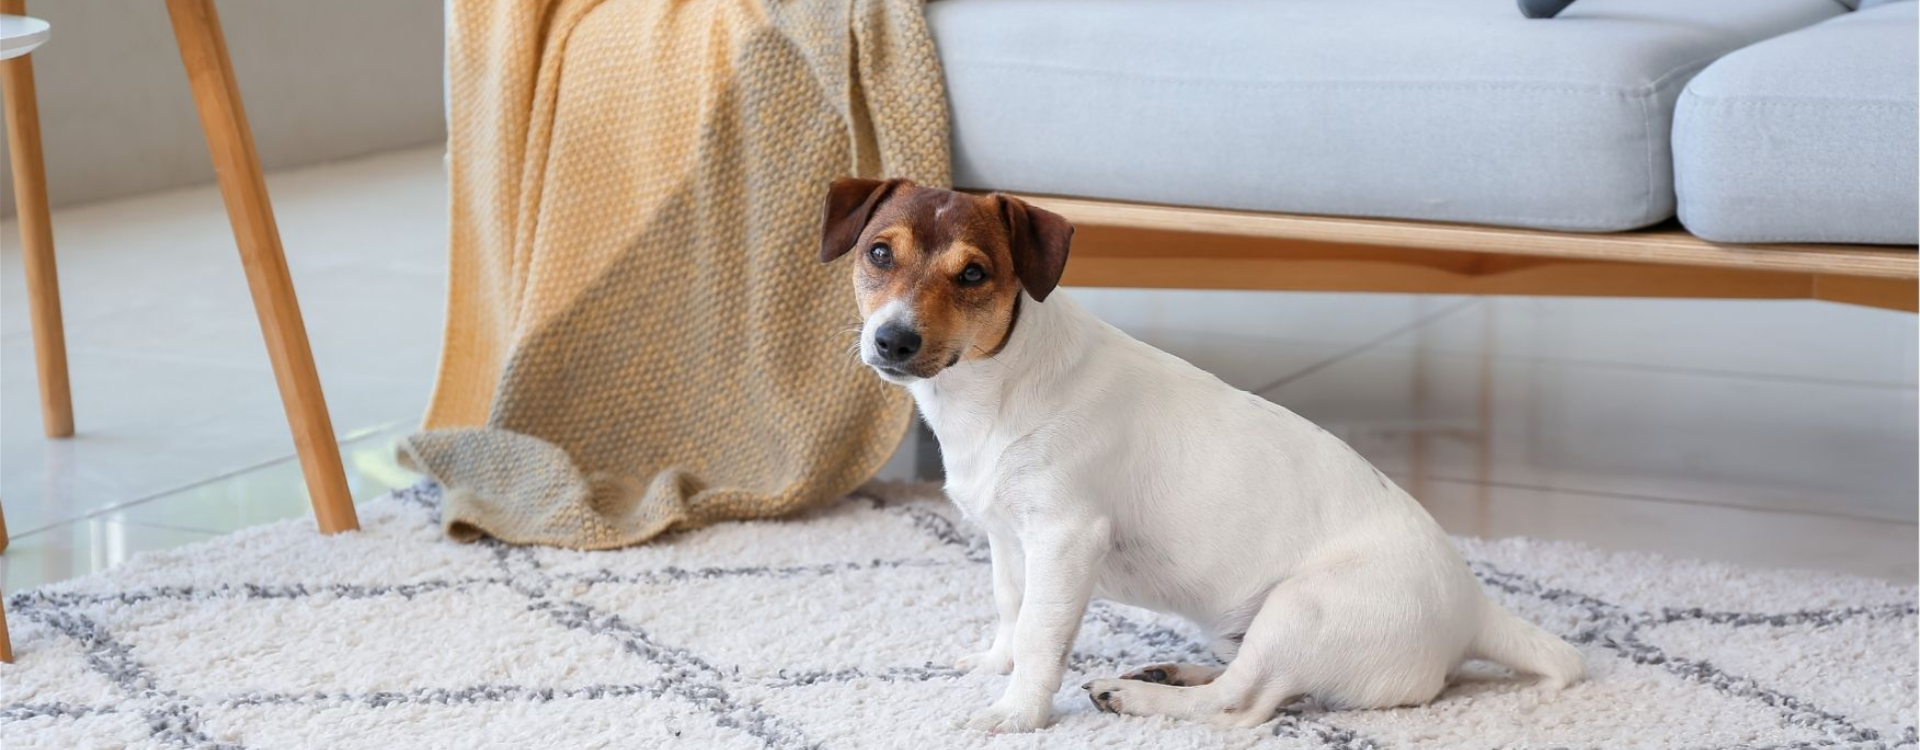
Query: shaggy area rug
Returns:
{"type": "Point", "coordinates": [837, 629]}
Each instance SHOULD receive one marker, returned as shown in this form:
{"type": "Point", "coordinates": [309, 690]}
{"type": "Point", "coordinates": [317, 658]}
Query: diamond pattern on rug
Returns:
{"type": "Point", "coordinates": [608, 717]}
{"type": "Point", "coordinates": [282, 656]}
{"type": "Point", "coordinates": [836, 630]}
{"type": "Point", "coordinates": [1858, 667]}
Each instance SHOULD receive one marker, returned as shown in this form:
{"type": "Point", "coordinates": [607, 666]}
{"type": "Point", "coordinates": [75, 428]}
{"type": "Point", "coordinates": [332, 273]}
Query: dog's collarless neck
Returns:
{"type": "Point", "coordinates": [1013, 324]}
{"type": "Point", "coordinates": [1033, 346]}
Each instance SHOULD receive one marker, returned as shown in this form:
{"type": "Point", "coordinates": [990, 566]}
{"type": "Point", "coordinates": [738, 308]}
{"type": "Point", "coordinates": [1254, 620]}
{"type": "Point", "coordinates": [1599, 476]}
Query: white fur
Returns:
{"type": "Point", "coordinates": [1100, 466]}
{"type": "Point", "coordinates": [894, 310]}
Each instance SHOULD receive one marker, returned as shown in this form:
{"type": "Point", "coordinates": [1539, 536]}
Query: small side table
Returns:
{"type": "Point", "coordinates": [203, 50]}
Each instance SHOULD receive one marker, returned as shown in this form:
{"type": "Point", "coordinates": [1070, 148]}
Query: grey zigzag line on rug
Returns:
{"type": "Point", "coordinates": [174, 718]}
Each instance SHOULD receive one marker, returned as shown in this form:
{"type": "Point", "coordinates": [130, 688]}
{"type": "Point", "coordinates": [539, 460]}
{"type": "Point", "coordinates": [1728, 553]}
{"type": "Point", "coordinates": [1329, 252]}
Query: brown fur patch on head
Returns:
{"type": "Point", "coordinates": [958, 262]}
{"type": "Point", "coordinates": [933, 238]}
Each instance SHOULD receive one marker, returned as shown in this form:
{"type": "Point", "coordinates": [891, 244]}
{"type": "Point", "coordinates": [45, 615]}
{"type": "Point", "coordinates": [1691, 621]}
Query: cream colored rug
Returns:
{"type": "Point", "coordinates": [835, 630]}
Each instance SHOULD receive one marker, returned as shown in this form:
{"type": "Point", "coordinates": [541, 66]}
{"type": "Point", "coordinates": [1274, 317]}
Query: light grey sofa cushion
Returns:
{"type": "Point", "coordinates": [1450, 110]}
{"type": "Point", "coordinates": [1809, 137]}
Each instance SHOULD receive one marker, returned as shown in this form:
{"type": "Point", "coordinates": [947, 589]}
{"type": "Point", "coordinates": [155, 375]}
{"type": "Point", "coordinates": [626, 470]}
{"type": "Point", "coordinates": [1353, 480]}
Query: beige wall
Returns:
{"type": "Point", "coordinates": [322, 80]}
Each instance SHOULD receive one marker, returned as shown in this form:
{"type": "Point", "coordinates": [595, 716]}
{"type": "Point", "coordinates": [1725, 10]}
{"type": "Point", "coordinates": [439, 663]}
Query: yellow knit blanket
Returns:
{"type": "Point", "coordinates": [640, 336]}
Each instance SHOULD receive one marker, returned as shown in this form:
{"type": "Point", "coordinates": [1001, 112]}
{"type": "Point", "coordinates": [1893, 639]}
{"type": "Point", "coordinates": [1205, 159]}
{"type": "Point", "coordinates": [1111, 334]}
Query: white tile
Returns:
{"type": "Point", "coordinates": [382, 215]}
{"type": "Point", "coordinates": [142, 427]}
{"type": "Point", "coordinates": [46, 483]}
{"type": "Point", "coordinates": [1301, 316]}
{"type": "Point", "coordinates": [1253, 339]}
{"type": "Point", "coordinates": [122, 256]}
{"type": "Point", "coordinates": [78, 548]}
{"type": "Point", "coordinates": [1788, 339]}
{"type": "Point", "coordinates": [1244, 362]}
{"type": "Point", "coordinates": [171, 383]}
{"type": "Point", "coordinates": [1767, 443]}
{"type": "Point", "coordinates": [1767, 539]}
{"type": "Point", "coordinates": [276, 491]}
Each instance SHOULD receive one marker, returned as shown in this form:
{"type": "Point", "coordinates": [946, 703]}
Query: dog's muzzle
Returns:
{"type": "Point", "coordinates": [896, 344]}
{"type": "Point", "coordinates": [892, 345]}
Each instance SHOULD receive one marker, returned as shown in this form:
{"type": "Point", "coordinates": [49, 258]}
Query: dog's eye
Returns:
{"type": "Point", "coordinates": [881, 255]}
{"type": "Point", "coordinates": [973, 274]}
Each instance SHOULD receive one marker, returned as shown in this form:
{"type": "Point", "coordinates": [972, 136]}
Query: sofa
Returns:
{"type": "Point", "coordinates": [1711, 148]}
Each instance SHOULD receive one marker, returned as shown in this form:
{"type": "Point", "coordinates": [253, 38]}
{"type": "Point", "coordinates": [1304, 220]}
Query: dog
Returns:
{"type": "Point", "coordinates": [1100, 466]}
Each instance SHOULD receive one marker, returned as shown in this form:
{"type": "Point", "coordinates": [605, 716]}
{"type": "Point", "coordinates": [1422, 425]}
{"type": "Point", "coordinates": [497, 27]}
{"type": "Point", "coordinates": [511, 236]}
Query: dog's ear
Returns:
{"type": "Point", "coordinates": [1038, 239]}
{"type": "Point", "coordinates": [850, 203]}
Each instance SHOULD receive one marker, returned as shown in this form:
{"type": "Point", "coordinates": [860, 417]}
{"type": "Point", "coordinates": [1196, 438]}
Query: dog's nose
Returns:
{"type": "Point", "coordinates": [896, 343]}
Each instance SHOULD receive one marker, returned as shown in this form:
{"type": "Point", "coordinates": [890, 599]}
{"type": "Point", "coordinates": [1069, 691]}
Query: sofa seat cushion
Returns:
{"type": "Point", "coordinates": [1808, 137]}
{"type": "Point", "coordinates": [1447, 110]}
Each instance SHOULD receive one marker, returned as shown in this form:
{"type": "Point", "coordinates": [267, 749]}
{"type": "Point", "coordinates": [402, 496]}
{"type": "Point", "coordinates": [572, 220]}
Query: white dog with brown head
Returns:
{"type": "Point", "coordinates": [1101, 466]}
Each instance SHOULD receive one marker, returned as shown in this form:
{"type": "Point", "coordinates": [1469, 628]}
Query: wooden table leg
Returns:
{"type": "Point", "coordinates": [230, 142]}
{"type": "Point", "coordinates": [36, 237]}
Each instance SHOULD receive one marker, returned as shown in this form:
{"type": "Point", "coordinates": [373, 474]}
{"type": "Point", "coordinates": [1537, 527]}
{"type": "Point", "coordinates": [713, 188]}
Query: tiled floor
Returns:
{"type": "Point", "coordinates": [1766, 433]}
{"type": "Point", "coordinates": [180, 431]}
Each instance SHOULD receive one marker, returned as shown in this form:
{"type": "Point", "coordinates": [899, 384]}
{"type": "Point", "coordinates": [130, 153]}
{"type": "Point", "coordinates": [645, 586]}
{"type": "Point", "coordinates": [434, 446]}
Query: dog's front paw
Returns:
{"type": "Point", "coordinates": [1003, 718]}
{"type": "Point", "coordinates": [987, 662]}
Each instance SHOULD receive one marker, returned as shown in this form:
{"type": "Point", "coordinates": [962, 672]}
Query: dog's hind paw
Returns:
{"type": "Point", "coordinates": [1105, 694]}
{"type": "Point", "coordinates": [1177, 675]}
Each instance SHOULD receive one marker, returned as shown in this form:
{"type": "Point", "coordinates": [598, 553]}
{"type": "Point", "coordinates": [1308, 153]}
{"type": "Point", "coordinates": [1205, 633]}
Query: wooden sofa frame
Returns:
{"type": "Point", "coordinates": [1119, 244]}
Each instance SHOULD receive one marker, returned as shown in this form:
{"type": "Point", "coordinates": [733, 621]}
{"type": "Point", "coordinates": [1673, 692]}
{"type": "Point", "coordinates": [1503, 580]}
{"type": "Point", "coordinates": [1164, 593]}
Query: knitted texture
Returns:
{"type": "Point", "coordinates": [640, 336]}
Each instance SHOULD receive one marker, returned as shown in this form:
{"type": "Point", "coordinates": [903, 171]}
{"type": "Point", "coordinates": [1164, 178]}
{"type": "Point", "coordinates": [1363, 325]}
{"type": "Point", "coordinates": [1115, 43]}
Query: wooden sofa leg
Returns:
{"type": "Point", "coordinates": [230, 142]}
{"type": "Point", "coordinates": [36, 239]}
{"type": "Point", "coordinates": [6, 641]}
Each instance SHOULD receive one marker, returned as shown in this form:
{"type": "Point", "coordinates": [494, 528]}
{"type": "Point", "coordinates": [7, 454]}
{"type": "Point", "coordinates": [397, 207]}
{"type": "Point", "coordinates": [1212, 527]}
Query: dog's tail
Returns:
{"type": "Point", "coordinates": [1522, 646]}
